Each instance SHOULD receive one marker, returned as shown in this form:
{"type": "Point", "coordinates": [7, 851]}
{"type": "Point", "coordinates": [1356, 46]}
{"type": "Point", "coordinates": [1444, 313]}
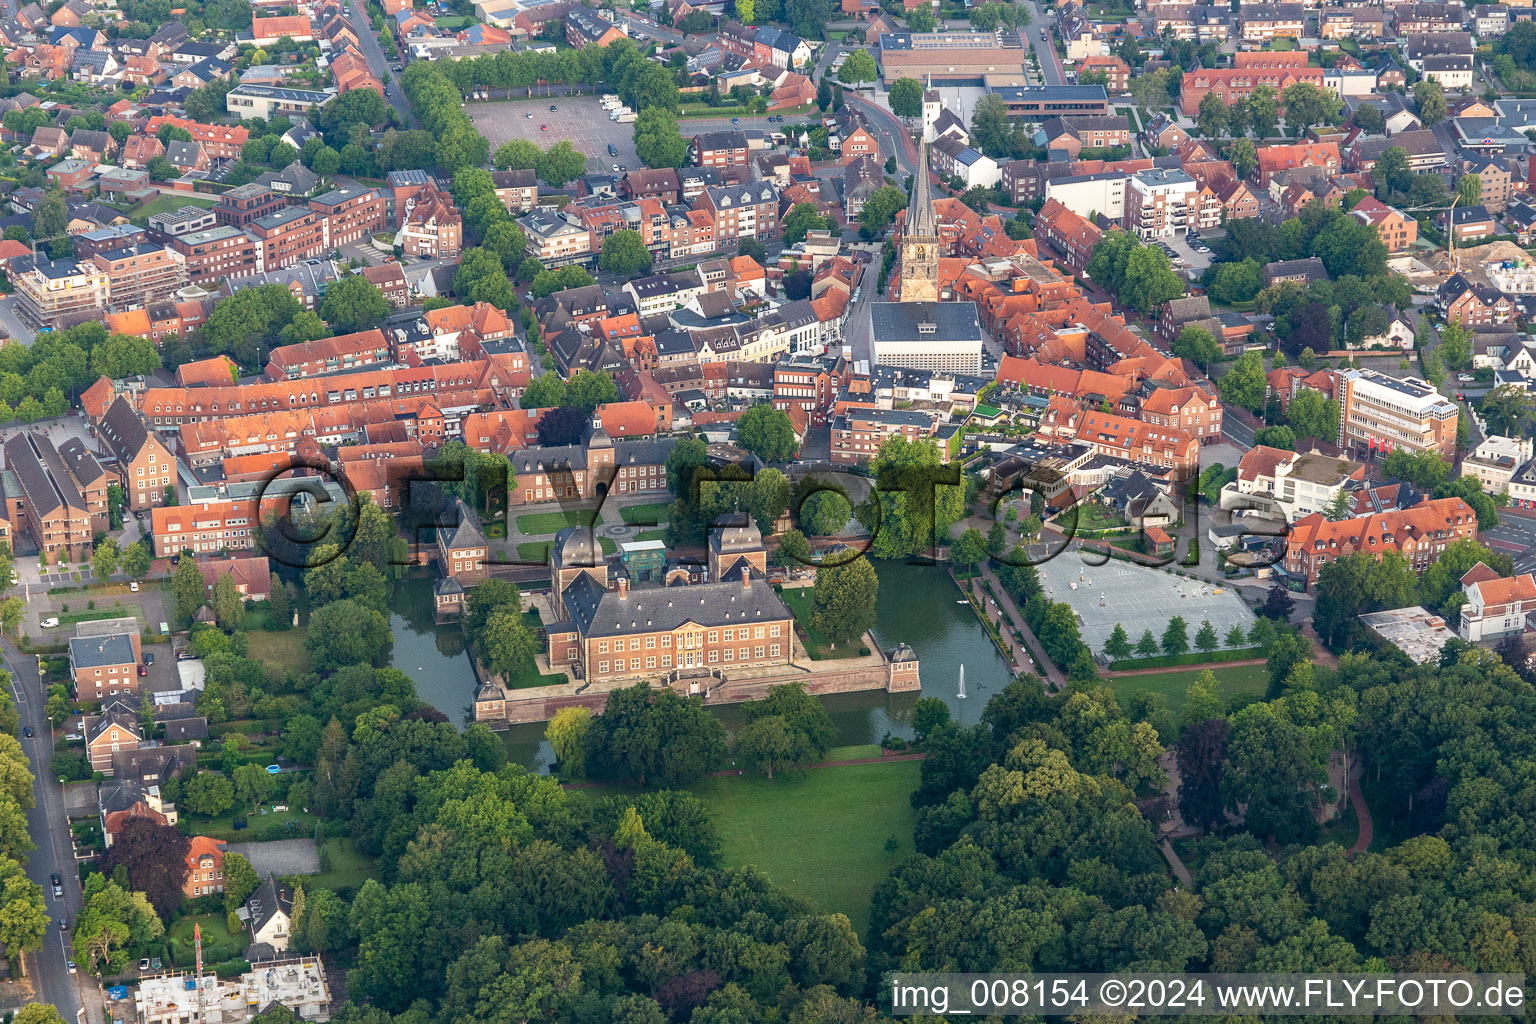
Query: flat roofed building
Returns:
{"type": "Point", "coordinates": [942, 336]}
{"type": "Point", "coordinates": [1041, 102]}
{"type": "Point", "coordinates": [1379, 413]}
{"type": "Point", "coordinates": [102, 666]}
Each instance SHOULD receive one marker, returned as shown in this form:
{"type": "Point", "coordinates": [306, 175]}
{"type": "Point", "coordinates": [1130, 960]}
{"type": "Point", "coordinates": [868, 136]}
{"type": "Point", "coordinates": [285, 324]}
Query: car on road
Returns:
{"type": "Point", "coordinates": [735, 120]}
{"type": "Point", "coordinates": [26, 731]}
{"type": "Point", "coordinates": [69, 965]}
{"type": "Point", "coordinates": [615, 168]}
{"type": "Point", "coordinates": [143, 670]}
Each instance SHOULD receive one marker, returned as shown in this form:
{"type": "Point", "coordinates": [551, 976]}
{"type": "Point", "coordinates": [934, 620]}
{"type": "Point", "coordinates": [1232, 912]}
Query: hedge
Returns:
{"type": "Point", "coordinates": [1190, 658]}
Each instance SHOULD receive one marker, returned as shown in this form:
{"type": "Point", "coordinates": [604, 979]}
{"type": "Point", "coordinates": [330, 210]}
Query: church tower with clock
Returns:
{"type": "Point", "coordinates": [920, 243]}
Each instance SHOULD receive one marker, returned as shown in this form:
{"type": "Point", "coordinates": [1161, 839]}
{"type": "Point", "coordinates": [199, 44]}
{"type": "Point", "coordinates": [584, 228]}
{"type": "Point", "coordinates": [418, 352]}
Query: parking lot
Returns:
{"type": "Point", "coordinates": [580, 120]}
{"type": "Point", "coordinates": [1193, 260]}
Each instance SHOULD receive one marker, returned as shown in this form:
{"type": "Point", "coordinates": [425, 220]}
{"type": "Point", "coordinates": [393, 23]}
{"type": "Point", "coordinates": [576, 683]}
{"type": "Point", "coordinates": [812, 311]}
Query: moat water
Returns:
{"type": "Point", "coordinates": [917, 605]}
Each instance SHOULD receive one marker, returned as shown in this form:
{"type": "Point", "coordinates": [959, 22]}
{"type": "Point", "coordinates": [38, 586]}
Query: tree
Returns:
{"type": "Point", "coordinates": [1213, 118]}
{"type": "Point", "coordinates": [1146, 645]}
{"type": "Point", "coordinates": [135, 560]}
{"type": "Point", "coordinates": [1392, 171]}
{"type": "Point", "coordinates": [991, 128]}
{"type": "Point", "coordinates": [802, 218]}
{"type": "Point", "coordinates": [1197, 345]}
{"type": "Point", "coordinates": [240, 880]}
{"type": "Point", "coordinates": [104, 559]}
{"type": "Point", "coordinates": [793, 550]}
{"type": "Point", "coordinates": [1507, 410]}
{"type": "Point", "coordinates": [929, 715]}
{"type": "Point", "coordinates": [906, 97]}
{"type": "Point", "coordinates": [254, 784]}
{"type": "Point", "coordinates": [1244, 156]}
{"type": "Point", "coordinates": [624, 253]}
{"type": "Point", "coordinates": [764, 742]}
{"type": "Point", "coordinates": [354, 304]}
{"type": "Point", "coordinates": [1118, 646]}
{"type": "Point", "coordinates": [1205, 637]}
{"type": "Point", "coordinates": [1368, 119]}
{"type": "Point", "coordinates": [843, 603]}
{"type": "Point", "coordinates": [768, 433]}
{"type": "Point", "coordinates": [347, 632]}
{"type": "Point", "coordinates": [207, 794]}
{"type": "Point", "coordinates": [1263, 110]}
{"type": "Point", "coordinates": [23, 925]}
{"type": "Point", "coordinates": [858, 67]}
{"type": "Point", "coordinates": [228, 606]}
{"type": "Point", "coordinates": [1277, 603]}
{"type": "Point", "coordinates": [655, 737]}
{"type": "Point", "coordinates": [1306, 105]}
{"type": "Point", "coordinates": [155, 857]}
{"type": "Point", "coordinates": [968, 549]}
{"type": "Point", "coordinates": [1429, 97]}
{"type": "Point", "coordinates": [1312, 415]}
{"type": "Point", "coordinates": [658, 142]}
{"type": "Point", "coordinates": [518, 155]}
{"type": "Point", "coordinates": [507, 643]}
{"type": "Point", "coordinates": [561, 164]}
{"type": "Point", "coordinates": [1245, 384]}
{"type": "Point", "coordinates": [880, 209]}
{"type": "Point", "coordinates": [187, 584]}
{"type": "Point", "coordinates": [51, 216]}
{"type": "Point", "coordinates": [1469, 190]}
{"type": "Point", "coordinates": [997, 540]}
{"type": "Point", "coordinates": [1176, 636]}
{"type": "Point", "coordinates": [916, 498]}
{"type": "Point", "coordinates": [567, 733]}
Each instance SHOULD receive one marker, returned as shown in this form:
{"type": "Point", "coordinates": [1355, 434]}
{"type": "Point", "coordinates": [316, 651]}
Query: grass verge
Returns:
{"type": "Point", "coordinates": [1173, 685]}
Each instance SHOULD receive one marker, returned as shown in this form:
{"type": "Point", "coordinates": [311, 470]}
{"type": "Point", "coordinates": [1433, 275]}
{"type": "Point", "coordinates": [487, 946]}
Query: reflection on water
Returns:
{"type": "Point", "coordinates": [917, 605]}
{"type": "Point", "coordinates": [433, 656]}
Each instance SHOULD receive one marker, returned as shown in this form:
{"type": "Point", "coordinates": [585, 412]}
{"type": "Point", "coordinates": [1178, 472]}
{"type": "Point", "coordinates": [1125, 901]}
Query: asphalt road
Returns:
{"type": "Point", "coordinates": [1050, 61]}
{"type": "Point", "coordinates": [1235, 429]}
{"type": "Point", "coordinates": [49, 827]}
{"type": "Point", "coordinates": [1514, 536]}
{"type": "Point", "coordinates": [377, 61]}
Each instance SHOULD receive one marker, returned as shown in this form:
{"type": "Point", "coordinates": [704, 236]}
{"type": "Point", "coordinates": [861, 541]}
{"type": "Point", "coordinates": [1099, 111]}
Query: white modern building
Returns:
{"type": "Point", "coordinates": [945, 337]}
{"type": "Point", "coordinates": [1283, 485]}
{"type": "Point", "coordinates": [1496, 606]}
{"type": "Point", "coordinates": [298, 984]}
{"type": "Point", "coordinates": [1090, 194]}
{"type": "Point", "coordinates": [1496, 459]}
{"type": "Point", "coordinates": [1161, 203]}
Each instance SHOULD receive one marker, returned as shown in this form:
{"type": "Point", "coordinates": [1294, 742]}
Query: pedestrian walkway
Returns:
{"type": "Point", "coordinates": [1054, 678]}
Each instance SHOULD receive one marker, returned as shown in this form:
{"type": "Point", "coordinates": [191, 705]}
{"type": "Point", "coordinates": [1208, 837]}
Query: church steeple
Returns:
{"type": "Point", "coordinates": [920, 243]}
{"type": "Point", "coordinates": [921, 220]}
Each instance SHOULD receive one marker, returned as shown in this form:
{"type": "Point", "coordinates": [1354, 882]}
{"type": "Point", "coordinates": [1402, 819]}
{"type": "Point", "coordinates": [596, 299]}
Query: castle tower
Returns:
{"type": "Point", "coordinates": [920, 243]}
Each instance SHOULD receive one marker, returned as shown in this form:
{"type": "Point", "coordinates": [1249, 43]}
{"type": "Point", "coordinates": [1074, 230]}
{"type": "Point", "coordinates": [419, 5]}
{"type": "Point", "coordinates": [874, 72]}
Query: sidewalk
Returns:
{"type": "Point", "coordinates": [1054, 678]}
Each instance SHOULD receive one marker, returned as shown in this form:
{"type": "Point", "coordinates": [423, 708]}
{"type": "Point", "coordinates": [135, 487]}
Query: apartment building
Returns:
{"type": "Point", "coordinates": [718, 149]}
{"type": "Point", "coordinates": [62, 497]}
{"type": "Point", "coordinates": [145, 466]}
{"type": "Point", "coordinates": [1378, 414]}
{"type": "Point", "coordinates": [1162, 203]}
{"type": "Point", "coordinates": [243, 204]}
{"type": "Point", "coordinates": [519, 190]}
{"type": "Point", "coordinates": [1496, 606]}
{"type": "Point", "coordinates": [1420, 533]}
{"type": "Point", "coordinates": [141, 274]}
{"type": "Point", "coordinates": [1192, 409]}
{"type": "Point", "coordinates": [1286, 486]}
{"type": "Point", "coordinates": [59, 293]}
{"type": "Point", "coordinates": [1264, 23]}
{"type": "Point", "coordinates": [432, 228]}
{"type": "Point", "coordinates": [1278, 71]}
{"type": "Point", "coordinates": [328, 355]}
{"type": "Point", "coordinates": [1071, 235]}
{"type": "Point", "coordinates": [205, 867]}
{"type": "Point", "coordinates": [102, 666]}
{"type": "Point", "coordinates": [1122, 437]}
{"type": "Point", "coordinates": [556, 239]}
{"type": "Point", "coordinates": [750, 210]}
{"type": "Point", "coordinates": [1091, 195]}
{"type": "Point", "coordinates": [216, 254]}
{"type": "Point", "coordinates": [223, 518]}
{"type": "Point", "coordinates": [269, 101]}
{"type": "Point", "coordinates": [289, 236]}
{"type": "Point", "coordinates": [1396, 230]}
{"type": "Point", "coordinates": [219, 141]}
{"type": "Point", "coordinates": [858, 434]}
{"type": "Point", "coordinates": [351, 214]}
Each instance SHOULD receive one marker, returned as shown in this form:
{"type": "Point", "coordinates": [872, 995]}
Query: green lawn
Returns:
{"type": "Point", "coordinates": [283, 647]}
{"type": "Point", "coordinates": [821, 834]}
{"type": "Point", "coordinates": [97, 614]}
{"type": "Point", "coordinates": [166, 204]}
{"type": "Point", "coordinates": [1173, 685]}
{"type": "Point", "coordinates": [538, 550]}
{"type": "Point", "coordinates": [799, 601]}
{"type": "Point", "coordinates": [554, 522]}
{"type": "Point", "coordinates": [529, 677]}
{"type": "Point", "coordinates": [645, 515]}
{"type": "Point", "coordinates": [350, 867]}
{"type": "Point", "coordinates": [223, 826]}
{"type": "Point", "coordinates": [651, 535]}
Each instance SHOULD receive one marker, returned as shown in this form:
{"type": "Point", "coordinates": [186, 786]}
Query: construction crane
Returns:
{"type": "Point", "coordinates": [1450, 227]}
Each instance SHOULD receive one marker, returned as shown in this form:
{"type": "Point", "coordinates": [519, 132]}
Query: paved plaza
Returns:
{"type": "Point", "coordinates": [581, 121]}
{"type": "Point", "coordinates": [1138, 599]}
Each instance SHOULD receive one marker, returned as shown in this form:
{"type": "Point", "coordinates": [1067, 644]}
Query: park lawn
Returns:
{"type": "Point", "coordinates": [538, 550]}
{"type": "Point", "coordinates": [167, 204]}
{"type": "Point", "coordinates": [529, 676]}
{"type": "Point", "coordinates": [645, 515]}
{"type": "Point", "coordinates": [554, 522]}
{"type": "Point", "coordinates": [281, 647]}
{"type": "Point", "coordinates": [651, 535]}
{"type": "Point", "coordinates": [820, 834]}
{"type": "Point", "coordinates": [799, 601]}
{"type": "Point", "coordinates": [1231, 681]}
{"type": "Point", "coordinates": [350, 867]}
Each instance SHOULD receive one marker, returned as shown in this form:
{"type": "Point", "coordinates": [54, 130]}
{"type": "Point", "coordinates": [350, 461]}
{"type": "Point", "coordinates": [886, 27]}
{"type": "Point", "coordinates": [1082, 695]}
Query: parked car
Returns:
{"type": "Point", "coordinates": [553, 108]}
{"type": "Point", "coordinates": [69, 965]}
{"type": "Point", "coordinates": [49, 623]}
{"type": "Point", "coordinates": [144, 964]}
{"type": "Point", "coordinates": [1465, 378]}
{"type": "Point", "coordinates": [133, 586]}
{"type": "Point", "coordinates": [149, 657]}
{"type": "Point", "coordinates": [613, 150]}
{"type": "Point", "coordinates": [143, 670]}
{"type": "Point", "coordinates": [543, 127]}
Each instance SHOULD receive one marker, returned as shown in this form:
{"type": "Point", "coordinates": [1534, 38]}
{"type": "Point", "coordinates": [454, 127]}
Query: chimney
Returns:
{"type": "Point", "coordinates": [623, 587]}
{"type": "Point", "coordinates": [746, 577]}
